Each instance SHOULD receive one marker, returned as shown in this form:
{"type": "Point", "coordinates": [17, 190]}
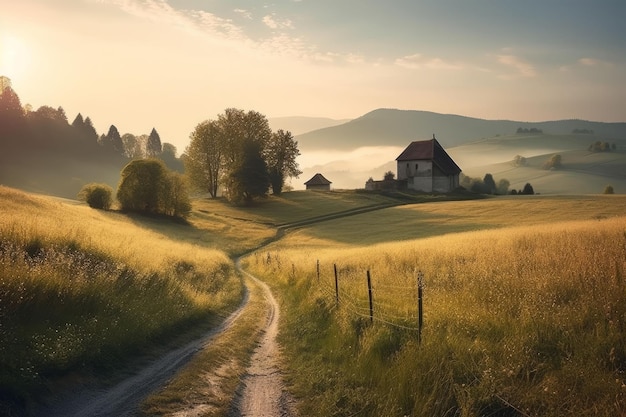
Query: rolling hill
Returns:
{"type": "Point", "coordinates": [391, 127]}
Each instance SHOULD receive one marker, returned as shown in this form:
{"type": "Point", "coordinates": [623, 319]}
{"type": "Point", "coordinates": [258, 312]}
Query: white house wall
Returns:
{"type": "Point", "coordinates": [419, 168]}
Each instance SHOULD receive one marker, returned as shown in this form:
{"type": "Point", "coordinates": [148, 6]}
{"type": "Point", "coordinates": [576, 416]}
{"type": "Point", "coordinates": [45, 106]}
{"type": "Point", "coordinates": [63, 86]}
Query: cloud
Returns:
{"type": "Point", "coordinates": [522, 68]}
{"type": "Point", "coordinates": [417, 61]}
{"type": "Point", "coordinates": [243, 12]}
{"type": "Point", "coordinates": [273, 23]}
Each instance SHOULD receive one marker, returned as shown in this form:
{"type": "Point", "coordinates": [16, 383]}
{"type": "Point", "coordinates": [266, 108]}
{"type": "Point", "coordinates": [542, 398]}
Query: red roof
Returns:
{"type": "Point", "coordinates": [318, 179]}
{"type": "Point", "coordinates": [430, 150]}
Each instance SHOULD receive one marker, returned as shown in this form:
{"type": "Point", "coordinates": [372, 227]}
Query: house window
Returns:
{"type": "Point", "coordinates": [415, 167]}
{"type": "Point", "coordinates": [408, 170]}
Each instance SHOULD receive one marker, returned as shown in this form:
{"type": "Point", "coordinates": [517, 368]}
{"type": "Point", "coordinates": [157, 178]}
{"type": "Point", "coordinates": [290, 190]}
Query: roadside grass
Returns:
{"type": "Point", "coordinates": [208, 385]}
{"type": "Point", "coordinates": [524, 318]}
{"type": "Point", "coordinates": [83, 290]}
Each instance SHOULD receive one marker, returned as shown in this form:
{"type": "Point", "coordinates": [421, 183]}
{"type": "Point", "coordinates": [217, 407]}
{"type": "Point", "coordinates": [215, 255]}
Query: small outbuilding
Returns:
{"type": "Point", "coordinates": [426, 166]}
{"type": "Point", "coordinates": [318, 182]}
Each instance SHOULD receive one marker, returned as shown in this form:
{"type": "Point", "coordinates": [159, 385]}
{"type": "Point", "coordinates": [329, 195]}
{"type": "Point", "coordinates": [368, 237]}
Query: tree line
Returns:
{"type": "Point", "coordinates": [236, 155]}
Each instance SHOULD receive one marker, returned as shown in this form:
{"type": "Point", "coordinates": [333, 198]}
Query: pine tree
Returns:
{"type": "Point", "coordinates": [153, 147]}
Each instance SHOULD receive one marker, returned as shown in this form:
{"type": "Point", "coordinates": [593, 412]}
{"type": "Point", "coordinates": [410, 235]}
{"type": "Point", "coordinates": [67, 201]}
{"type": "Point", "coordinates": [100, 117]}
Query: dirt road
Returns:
{"type": "Point", "coordinates": [263, 393]}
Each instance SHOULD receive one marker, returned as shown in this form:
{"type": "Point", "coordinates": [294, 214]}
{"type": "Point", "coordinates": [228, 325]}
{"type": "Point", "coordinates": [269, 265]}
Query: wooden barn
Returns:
{"type": "Point", "coordinates": [426, 166]}
{"type": "Point", "coordinates": [318, 182]}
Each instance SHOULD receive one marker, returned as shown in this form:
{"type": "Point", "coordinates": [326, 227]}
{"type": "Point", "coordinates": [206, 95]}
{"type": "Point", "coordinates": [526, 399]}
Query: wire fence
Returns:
{"type": "Point", "coordinates": [360, 294]}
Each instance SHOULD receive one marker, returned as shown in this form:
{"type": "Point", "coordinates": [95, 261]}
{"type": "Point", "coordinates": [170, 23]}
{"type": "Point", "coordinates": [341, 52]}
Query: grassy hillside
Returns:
{"type": "Point", "coordinates": [583, 172]}
{"type": "Point", "coordinates": [523, 309]}
{"type": "Point", "coordinates": [84, 291]}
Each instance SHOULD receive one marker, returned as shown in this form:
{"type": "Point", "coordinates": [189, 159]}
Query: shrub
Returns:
{"type": "Point", "coordinates": [98, 196]}
{"type": "Point", "coordinates": [148, 186]}
{"type": "Point", "coordinates": [609, 189]}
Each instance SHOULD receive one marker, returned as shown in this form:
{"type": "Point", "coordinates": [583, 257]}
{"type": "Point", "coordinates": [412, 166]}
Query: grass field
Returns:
{"type": "Point", "coordinates": [524, 309]}
{"type": "Point", "coordinates": [524, 301]}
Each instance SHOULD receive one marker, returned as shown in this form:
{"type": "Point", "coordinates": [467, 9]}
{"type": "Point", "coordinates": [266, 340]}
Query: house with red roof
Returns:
{"type": "Point", "coordinates": [426, 166]}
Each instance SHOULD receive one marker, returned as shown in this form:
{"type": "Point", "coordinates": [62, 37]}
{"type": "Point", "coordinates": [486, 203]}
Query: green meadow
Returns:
{"type": "Point", "coordinates": [524, 308]}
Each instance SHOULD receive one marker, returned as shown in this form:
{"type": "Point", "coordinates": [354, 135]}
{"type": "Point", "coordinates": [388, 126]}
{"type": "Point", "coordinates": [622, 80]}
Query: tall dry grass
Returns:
{"type": "Point", "coordinates": [526, 321]}
{"type": "Point", "coordinates": [83, 290]}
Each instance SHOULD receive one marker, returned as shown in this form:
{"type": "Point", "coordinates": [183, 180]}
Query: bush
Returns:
{"type": "Point", "coordinates": [147, 186]}
{"type": "Point", "coordinates": [98, 196]}
{"type": "Point", "coordinates": [609, 190]}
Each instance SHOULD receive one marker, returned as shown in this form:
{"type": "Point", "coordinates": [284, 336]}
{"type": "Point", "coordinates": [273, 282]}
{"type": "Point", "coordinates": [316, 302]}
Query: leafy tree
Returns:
{"type": "Point", "coordinates": [528, 189]}
{"type": "Point", "coordinates": [250, 178]}
{"type": "Point", "coordinates": [388, 176]}
{"type": "Point", "coordinates": [609, 189]}
{"type": "Point", "coordinates": [489, 184]}
{"type": "Point", "coordinates": [142, 186]}
{"type": "Point", "coordinates": [132, 146]}
{"type": "Point", "coordinates": [153, 146]}
{"type": "Point", "coordinates": [281, 154]}
{"type": "Point", "coordinates": [503, 186]}
{"type": "Point", "coordinates": [176, 196]}
{"type": "Point", "coordinates": [98, 196]}
{"type": "Point", "coordinates": [553, 163]}
{"type": "Point", "coordinates": [519, 161]}
{"type": "Point", "coordinates": [204, 157]}
{"type": "Point", "coordinates": [168, 155]}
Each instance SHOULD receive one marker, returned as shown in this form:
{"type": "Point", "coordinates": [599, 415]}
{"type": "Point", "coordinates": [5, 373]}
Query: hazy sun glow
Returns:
{"type": "Point", "coordinates": [14, 56]}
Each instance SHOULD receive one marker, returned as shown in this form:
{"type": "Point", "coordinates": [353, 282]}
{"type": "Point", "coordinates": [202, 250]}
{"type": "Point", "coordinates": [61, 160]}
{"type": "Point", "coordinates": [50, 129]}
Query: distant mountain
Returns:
{"type": "Point", "coordinates": [298, 125]}
{"type": "Point", "coordinates": [390, 127]}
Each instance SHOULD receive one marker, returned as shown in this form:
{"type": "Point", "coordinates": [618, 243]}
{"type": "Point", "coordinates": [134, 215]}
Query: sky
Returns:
{"type": "Point", "coordinates": [170, 64]}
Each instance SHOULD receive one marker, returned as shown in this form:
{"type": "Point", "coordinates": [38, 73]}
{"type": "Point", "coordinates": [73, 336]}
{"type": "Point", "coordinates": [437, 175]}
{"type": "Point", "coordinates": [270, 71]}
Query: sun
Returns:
{"type": "Point", "coordinates": [14, 56]}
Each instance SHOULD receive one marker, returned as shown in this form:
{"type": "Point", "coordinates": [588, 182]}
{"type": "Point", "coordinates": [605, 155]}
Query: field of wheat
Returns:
{"type": "Point", "coordinates": [525, 320]}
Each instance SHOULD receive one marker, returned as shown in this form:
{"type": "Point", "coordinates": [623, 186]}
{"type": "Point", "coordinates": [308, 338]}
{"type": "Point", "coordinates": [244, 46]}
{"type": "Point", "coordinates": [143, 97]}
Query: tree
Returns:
{"type": "Point", "coordinates": [153, 146]}
{"type": "Point", "coordinates": [168, 155]}
{"type": "Point", "coordinates": [281, 154]}
{"type": "Point", "coordinates": [519, 161]}
{"type": "Point", "coordinates": [98, 196]}
{"type": "Point", "coordinates": [389, 176]}
{"type": "Point", "coordinates": [147, 186]}
{"type": "Point", "coordinates": [250, 178]}
{"type": "Point", "coordinates": [132, 146]}
{"type": "Point", "coordinates": [489, 184]}
{"type": "Point", "coordinates": [89, 131]}
{"type": "Point", "coordinates": [503, 186]}
{"type": "Point", "coordinates": [553, 163]}
{"type": "Point", "coordinates": [142, 186]}
{"type": "Point", "coordinates": [12, 118]}
{"type": "Point", "coordinates": [528, 189]}
{"type": "Point", "coordinates": [204, 157]}
{"type": "Point", "coordinates": [176, 200]}
{"type": "Point", "coordinates": [609, 189]}
{"type": "Point", "coordinates": [113, 141]}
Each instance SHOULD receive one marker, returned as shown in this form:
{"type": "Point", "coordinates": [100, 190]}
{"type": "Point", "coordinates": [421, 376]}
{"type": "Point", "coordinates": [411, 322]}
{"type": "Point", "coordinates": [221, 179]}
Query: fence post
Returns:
{"type": "Point", "coordinates": [318, 270]}
{"type": "Point", "coordinates": [420, 309]}
{"type": "Point", "coordinates": [336, 285]}
{"type": "Point", "coordinates": [369, 290]}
